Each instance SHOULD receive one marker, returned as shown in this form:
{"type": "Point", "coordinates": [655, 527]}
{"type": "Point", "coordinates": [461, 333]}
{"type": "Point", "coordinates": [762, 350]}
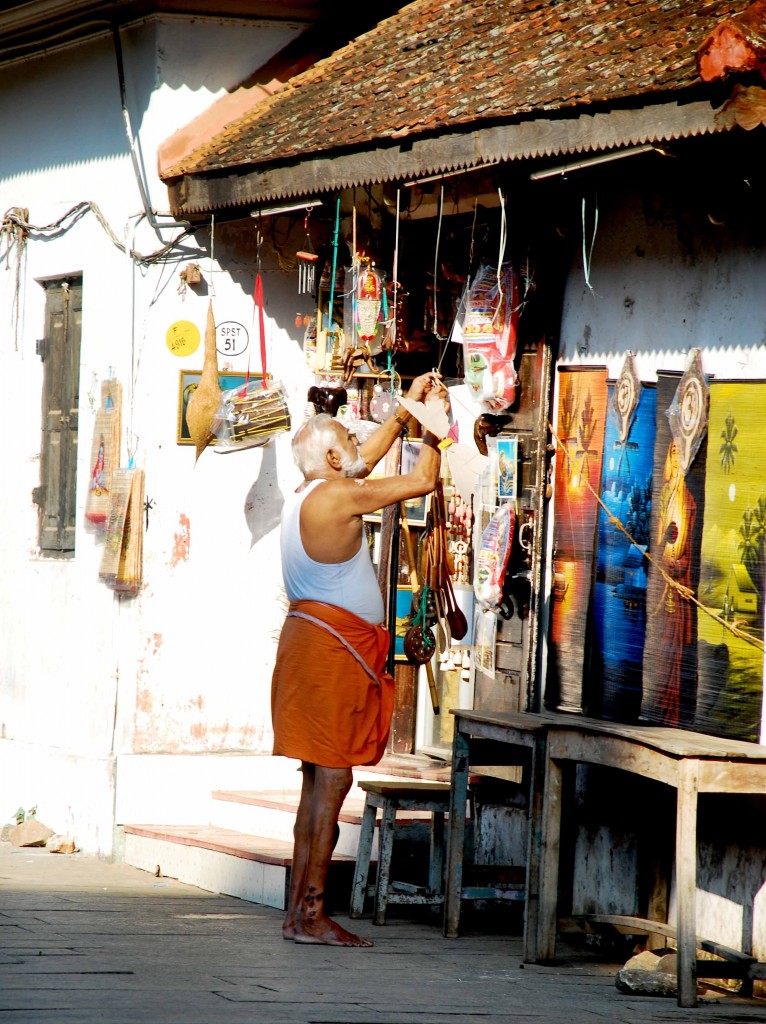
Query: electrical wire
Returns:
{"type": "Point", "coordinates": [68, 220]}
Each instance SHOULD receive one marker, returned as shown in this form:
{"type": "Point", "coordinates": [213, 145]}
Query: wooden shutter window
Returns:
{"type": "Point", "coordinates": [60, 351]}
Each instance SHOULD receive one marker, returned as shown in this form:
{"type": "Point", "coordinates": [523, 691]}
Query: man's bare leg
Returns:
{"type": "Point", "coordinates": [302, 838]}
{"type": "Point", "coordinates": [312, 925]}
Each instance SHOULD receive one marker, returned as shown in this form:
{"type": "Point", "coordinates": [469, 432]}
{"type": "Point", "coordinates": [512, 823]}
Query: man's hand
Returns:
{"type": "Point", "coordinates": [427, 385]}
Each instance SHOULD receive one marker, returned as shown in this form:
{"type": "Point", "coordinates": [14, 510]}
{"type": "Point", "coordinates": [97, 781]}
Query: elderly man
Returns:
{"type": "Point", "coordinates": [332, 700]}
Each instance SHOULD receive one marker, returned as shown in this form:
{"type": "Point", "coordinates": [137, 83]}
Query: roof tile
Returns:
{"type": "Point", "coordinates": [440, 64]}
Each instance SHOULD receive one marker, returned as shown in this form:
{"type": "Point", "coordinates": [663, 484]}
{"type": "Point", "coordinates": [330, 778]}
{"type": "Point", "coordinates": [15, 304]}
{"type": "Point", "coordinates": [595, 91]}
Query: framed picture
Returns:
{"type": "Point", "coordinates": [403, 606]}
{"type": "Point", "coordinates": [507, 464]}
{"type": "Point", "coordinates": [187, 385]}
{"type": "Point", "coordinates": [417, 508]}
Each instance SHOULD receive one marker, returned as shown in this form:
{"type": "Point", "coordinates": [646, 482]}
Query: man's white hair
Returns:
{"type": "Point", "coordinates": [313, 441]}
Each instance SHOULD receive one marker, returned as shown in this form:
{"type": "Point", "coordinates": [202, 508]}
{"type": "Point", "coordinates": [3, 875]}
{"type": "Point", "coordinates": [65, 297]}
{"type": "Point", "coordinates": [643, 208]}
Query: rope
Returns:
{"type": "Point", "coordinates": [670, 583]}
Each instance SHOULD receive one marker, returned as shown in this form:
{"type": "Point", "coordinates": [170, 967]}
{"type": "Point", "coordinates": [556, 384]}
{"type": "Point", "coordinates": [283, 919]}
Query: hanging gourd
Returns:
{"type": "Point", "coordinates": [206, 398]}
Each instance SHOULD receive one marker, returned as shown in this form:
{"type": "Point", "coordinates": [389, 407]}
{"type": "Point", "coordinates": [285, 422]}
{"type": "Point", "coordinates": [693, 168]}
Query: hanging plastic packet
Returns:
{"type": "Point", "coordinates": [385, 392]}
{"type": "Point", "coordinates": [250, 415]}
{"type": "Point", "coordinates": [489, 335]}
{"type": "Point", "coordinates": [492, 560]}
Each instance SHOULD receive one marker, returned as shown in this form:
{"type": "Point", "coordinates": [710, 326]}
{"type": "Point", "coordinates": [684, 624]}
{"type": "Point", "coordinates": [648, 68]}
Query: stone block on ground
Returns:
{"type": "Point", "coordinates": [646, 983]}
{"type": "Point", "coordinates": [30, 833]}
{"type": "Point", "coordinates": [60, 844]}
{"type": "Point", "coordinates": [668, 964]}
{"type": "Point", "coordinates": [643, 961]}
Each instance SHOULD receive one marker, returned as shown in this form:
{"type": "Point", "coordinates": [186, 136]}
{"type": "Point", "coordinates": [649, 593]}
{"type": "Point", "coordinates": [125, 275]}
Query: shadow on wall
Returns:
{"type": "Point", "coordinates": [264, 501]}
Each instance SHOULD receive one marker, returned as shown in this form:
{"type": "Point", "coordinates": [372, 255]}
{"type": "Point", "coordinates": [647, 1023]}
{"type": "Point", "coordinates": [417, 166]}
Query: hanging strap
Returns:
{"type": "Point", "coordinates": [258, 303]}
{"type": "Point", "coordinates": [337, 635]}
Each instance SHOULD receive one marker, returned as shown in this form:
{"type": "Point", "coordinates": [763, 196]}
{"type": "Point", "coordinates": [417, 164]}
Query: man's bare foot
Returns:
{"type": "Point", "coordinates": [322, 931]}
{"type": "Point", "coordinates": [288, 929]}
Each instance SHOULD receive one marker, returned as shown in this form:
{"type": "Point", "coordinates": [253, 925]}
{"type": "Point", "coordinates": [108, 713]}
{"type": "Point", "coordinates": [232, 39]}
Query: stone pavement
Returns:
{"type": "Point", "coordinates": [98, 943]}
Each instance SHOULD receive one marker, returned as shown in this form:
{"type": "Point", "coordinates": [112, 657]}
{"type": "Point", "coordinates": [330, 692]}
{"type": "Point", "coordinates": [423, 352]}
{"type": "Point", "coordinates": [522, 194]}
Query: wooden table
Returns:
{"type": "Point", "coordinates": [692, 763]}
{"type": "Point", "coordinates": [544, 745]}
{"type": "Point", "coordinates": [495, 738]}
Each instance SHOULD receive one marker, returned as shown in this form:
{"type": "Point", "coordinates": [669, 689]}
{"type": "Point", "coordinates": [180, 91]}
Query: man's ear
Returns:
{"type": "Point", "coordinates": [334, 458]}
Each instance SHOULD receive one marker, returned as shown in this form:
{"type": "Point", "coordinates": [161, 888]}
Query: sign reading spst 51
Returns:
{"type": "Point", "coordinates": [231, 338]}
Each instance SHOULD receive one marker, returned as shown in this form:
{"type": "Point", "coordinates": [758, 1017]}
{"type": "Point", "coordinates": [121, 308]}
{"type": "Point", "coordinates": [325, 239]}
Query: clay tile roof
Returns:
{"type": "Point", "coordinates": [737, 44]}
{"type": "Point", "coordinates": [438, 65]}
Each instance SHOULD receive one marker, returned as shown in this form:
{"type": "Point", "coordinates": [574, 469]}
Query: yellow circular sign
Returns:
{"type": "Point", "coordinates": [182, 338]}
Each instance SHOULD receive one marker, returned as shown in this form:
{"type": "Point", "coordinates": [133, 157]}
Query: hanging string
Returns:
{"type": "Point", "coordinates": [503, 241]}
{"type": "Point", "coordinates": [436, 259]}
{"type": "Point", "coordinates": [473, 232]}
{"type": "Point", "coordinates": [258, 300]}
{"type": "Point", "coordinates": [212, 256]}
{"type": "Point", "coordinates": [588, 256]}
{"type": "Point", "coordinates": [334, 262]}
{"type": "Point", "coordinates": [257, 313]}
{"type": "Point", "coordinates": [396, 270]}
{"type": "Point", "coordinates": [355, 268]}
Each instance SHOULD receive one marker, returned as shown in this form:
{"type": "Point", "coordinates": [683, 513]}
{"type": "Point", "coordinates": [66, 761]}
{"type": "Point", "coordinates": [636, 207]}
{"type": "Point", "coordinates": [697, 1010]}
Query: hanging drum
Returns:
{"type": "Point", "coordinates": [419, 644]}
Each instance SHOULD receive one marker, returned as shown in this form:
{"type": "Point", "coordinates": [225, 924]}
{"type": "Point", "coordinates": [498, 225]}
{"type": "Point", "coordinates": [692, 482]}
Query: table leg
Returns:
{"type": "Point", "coordinates": [456, 833]}
{"type": "Point", "coordinates": [686, 881]}
{"type": "Point", "coordinates": [534, 827]}
{"type": "Point", "coordinates": [436, 853]}
{"type": "Point", "coordinates": [363, 858]}
{"type": "Point", "coordinates": [550, 843]}
{"type": "Point", "coordinates": [385, 852]}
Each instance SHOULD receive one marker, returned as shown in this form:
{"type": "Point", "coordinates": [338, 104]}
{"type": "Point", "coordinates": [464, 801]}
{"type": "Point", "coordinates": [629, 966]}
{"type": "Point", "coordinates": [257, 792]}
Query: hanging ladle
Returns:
{"type": "Point", "coordinates": [456, 620]}
{"type": "Point", "coordinates": [417, 645]}
{"type": "Point", "coordinates": [458, 624]}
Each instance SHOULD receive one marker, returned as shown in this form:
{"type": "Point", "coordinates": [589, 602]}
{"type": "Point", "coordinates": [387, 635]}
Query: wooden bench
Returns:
{"type": "Point", "coordinates": [390, 797]}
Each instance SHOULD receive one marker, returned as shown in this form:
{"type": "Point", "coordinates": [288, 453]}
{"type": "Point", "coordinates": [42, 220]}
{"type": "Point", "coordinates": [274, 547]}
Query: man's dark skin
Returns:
{"type": "Point", "coordinates": [331, 532]}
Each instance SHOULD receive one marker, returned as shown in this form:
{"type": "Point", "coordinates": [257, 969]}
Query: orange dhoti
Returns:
{"type": "Point", "coordinates": [328, 707]}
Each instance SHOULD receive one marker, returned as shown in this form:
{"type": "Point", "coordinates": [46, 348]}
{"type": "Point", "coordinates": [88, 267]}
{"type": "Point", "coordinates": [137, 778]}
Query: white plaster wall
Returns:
{"type": "Point", "coordinates": [651, 297]}
{"type": "Point", "coordinates": [194, 63]}
{"type": "Point", "coordinates": [87, 676]}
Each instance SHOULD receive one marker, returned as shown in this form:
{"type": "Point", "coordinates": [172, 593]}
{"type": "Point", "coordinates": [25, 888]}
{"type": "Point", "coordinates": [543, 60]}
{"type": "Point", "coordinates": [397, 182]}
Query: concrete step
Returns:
{"type": "Point", "coordinates": [272, 813]}
{"type": "Point", "coordinates": [245, 847]}
{"type": "Point", "coordinates": [222, 860]}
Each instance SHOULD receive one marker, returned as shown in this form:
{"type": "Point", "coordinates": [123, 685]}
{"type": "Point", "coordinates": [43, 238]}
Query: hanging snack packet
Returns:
{"type": "Point", "coordinates": [489, 334]}
{"type": "Point", "coordinates": [492, 560]}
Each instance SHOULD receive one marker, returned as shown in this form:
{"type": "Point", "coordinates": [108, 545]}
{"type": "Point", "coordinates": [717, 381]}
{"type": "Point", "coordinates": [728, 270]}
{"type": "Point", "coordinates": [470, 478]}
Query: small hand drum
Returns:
{"type": "Point", "coordinates": [419, 645]}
